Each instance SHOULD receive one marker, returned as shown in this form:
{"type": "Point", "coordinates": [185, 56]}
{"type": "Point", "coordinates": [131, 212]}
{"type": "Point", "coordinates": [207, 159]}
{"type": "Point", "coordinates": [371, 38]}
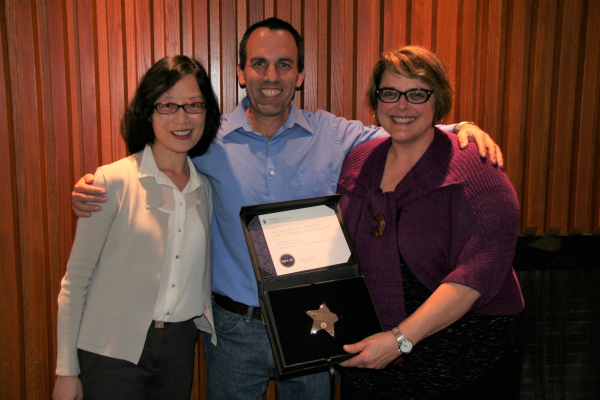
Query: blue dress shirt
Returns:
{"type": "Point", "coordinates": [303, 159]}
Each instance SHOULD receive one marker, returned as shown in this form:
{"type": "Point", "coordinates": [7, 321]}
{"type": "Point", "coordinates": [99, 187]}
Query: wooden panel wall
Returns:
{"type": "Point", "coordinates": [527, 71]}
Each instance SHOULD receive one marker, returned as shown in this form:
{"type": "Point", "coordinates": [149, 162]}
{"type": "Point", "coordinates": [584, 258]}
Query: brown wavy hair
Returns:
{"type": "Point", "coordinates": [415, 62]}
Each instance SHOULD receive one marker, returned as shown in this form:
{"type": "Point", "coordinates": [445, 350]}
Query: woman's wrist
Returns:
{"type": "Point", "coordinates": [405, 345]}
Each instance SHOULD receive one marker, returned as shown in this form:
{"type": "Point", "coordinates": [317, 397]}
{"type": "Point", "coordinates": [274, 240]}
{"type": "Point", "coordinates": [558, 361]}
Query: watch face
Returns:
{"type": "Point", "coordinates": [406, 347]}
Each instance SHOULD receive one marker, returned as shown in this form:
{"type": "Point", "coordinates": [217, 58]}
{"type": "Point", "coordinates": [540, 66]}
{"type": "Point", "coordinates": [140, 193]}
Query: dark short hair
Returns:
{"type": "Point", "coordinates": [274, 24]}
{"type": "Point", "coordinates": [415, 62]}
{"type": "Point", "coordinates": [136, 127]}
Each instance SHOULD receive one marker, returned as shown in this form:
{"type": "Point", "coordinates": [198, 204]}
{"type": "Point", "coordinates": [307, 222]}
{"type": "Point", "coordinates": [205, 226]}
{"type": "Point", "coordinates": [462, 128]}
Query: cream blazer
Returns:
{"type": "Point", "coordinates": [109, 292]}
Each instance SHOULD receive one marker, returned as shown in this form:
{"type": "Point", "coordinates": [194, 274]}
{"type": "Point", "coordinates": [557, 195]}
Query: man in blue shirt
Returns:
{"type": "Point", "coordinates": [266, 150]}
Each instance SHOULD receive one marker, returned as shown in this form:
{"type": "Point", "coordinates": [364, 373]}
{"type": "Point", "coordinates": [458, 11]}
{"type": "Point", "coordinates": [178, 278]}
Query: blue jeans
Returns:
{"type": "Point", "coordinates": [242, 363]}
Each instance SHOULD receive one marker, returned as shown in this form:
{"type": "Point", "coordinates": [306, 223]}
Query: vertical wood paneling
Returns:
{"type": "Point", "coordinates": [200, 33]}
{"type": "Point", "coordinates": [29, 160]}
{"type": "Point", "coordinates": [367, 54]}
{"type": "Point", "coordinates": [337, 79]}
{"type": "Point", "coordinates": [515, 93]}
{"type": "Point", "coordinates": [468, 54]}
{"type": "Point", "coordinates": [563, 116]}
{"type": "Point", "coordinates": [131, 49]}
{"type": "Point", "coordinates": [311, 27]}
{"type": "Point", "coordinates": [103, 82]}
{"type": "Point", "coordinates": [172, 28]}
{"type": "Point", "coordinates": [585, 211]}
{"type": "Point", "coordinates": [73, 83]}
{"type": "Point", "coordinates": [269, 8]}
{"type": "Point", "coordinates": [421, 23]}
{"type": "Point", "coordinates": [228, 45]}
{"type": "Point", "coordinates": [12, 369]}
{"type": "Point", "coordinates": [322, 55]}
{"type": "Point", "coordinates": [143, 40]}
{"type": "Point", "coordinates": [57, 156]}
{"type": "Point", "coordinates": [256, 11]}
{"type": "Point", "coordinates": [494, 59]}
{"type": "Point", "coordinates": [342, 56]}
{"type": "Point", "coordinates": [447, 17]}
{"type": "Point", "coordinates": [296, 21]}
{"type": "Point", "coordinates": [284, 10]}
{"type": "Point", "coordinates": [158, 12]}
{"type": "Point", "coordinates": [215, 49]}
{"type": "Point", "coordinates": [538, 123]}
{"type": "Point", "coordinates": [242, 17]}
{"type": "Point", "coordinates": [395, 24]}
{"type": "Point", "coordinates": [527, 71]}
{"type": "Point", "coordinates": [187, 28]}
{"type": "Point", "coordinates": [87, 73]}
{"type": "Point", "coordinates": [116, 68]}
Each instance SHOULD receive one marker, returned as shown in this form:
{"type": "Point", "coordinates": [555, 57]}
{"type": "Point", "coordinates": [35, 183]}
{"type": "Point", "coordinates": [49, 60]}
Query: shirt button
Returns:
{"type": "Point", "coordinates": [272, 172]}
{"type": "Point", "coordinates": [269, 142]}
{"type": "Point", "coordinates": [180, 204]}
{"type": "Point", "coordinates": [173, 285]}
{"type": "Point", "coordinates": [179, 229]}
{"type": "Point", "coordinates": [177, 257]}
{"type": "Point", "coordinates": [168, 313]}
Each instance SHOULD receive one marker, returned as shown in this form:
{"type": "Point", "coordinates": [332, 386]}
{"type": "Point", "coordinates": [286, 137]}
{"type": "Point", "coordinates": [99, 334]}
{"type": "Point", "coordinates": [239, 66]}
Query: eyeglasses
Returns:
{"type": "Point", "coordinates": [414, 96]}
{"type": "Point", "coordinates": [377, 223]}
{"type": "Point", "coordinates": [196, 107]}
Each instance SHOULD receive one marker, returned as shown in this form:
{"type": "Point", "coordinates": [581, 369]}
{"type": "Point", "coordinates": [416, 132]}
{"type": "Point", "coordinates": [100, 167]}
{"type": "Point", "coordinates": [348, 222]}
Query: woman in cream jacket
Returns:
{"type": "Point", "coordinates": [137, 285]}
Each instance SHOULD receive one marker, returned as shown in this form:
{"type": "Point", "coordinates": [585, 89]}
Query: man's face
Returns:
{"type": "Point", "coordinates": [271, 72]}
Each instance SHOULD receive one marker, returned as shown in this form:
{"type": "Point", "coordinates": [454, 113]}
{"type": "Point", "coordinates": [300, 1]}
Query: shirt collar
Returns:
{"type": "Point", "coordinates": [148, 168]}
{"type": "Point", "coordinates": [239, 120]}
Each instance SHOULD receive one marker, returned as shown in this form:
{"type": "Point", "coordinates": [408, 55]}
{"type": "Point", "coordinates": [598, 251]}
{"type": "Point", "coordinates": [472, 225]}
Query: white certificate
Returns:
{"type": "Point", "coordinates": [304, 239]}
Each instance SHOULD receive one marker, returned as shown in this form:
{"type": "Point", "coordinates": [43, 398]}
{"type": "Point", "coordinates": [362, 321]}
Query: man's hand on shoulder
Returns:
{"type": "Point", "coordinates": [487, 146]}
{"type": "Point", "coordinates": [84, 193]}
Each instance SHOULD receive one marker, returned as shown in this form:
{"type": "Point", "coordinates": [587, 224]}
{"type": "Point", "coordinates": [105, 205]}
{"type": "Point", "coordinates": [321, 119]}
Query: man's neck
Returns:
{"type": "Point", "coordinates": [267, 126]}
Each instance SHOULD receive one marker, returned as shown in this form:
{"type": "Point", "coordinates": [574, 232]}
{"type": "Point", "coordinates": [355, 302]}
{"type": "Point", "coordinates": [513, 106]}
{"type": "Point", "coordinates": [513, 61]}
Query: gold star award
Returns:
{"type": "Point", "coordinates": [323, 319]}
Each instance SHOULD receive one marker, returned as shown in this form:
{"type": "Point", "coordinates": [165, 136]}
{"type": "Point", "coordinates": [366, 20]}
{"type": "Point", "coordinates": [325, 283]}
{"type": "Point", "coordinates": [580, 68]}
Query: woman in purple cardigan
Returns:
{"type": "Point", "coordinates": [435, 230]}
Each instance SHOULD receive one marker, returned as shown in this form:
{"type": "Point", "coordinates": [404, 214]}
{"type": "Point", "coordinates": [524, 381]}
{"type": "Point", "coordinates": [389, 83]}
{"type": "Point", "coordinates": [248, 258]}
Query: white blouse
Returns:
{"type": "Point", "coordinates": [180, 290]}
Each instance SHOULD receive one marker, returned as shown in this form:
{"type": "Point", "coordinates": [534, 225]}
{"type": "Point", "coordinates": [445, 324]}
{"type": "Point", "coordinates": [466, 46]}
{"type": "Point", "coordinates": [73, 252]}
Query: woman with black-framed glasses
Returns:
{"type": "Point", "coordinates": [435, 231]}
{"type": "Point", "coordinates": [138, 281]}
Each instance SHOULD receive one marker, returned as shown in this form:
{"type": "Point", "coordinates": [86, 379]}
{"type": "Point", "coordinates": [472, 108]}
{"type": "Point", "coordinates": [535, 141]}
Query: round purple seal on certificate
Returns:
{"type": "Point", "coordinates": [287, 260]}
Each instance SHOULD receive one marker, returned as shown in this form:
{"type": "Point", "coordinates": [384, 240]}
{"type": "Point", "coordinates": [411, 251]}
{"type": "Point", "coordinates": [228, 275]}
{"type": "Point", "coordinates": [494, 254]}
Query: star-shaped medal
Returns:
{"type": "Point", "coordinates": [323, 319]}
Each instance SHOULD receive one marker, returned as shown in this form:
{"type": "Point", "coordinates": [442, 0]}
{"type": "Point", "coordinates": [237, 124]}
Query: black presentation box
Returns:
{"type": "Point", "coordinates": [285, 299]}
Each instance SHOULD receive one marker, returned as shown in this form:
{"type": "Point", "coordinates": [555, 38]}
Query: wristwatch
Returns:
{"type": "Point", "coordinates": [460, 124]}
{"type": "Point", "coordinates": [404, 345]}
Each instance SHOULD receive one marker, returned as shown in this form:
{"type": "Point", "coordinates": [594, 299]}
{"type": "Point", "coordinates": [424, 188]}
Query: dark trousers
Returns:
{"type": "Point", "coordinates": [164, 371]}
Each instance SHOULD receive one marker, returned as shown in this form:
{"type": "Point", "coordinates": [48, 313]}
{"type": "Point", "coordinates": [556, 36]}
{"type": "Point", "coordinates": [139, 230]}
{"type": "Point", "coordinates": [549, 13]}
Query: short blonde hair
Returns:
{"type": "Point", "coordinates": [415, 62]}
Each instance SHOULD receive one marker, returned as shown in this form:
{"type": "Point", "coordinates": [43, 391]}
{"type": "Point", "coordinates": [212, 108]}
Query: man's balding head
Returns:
{"type": "Point", "coordinates": [274, 24]}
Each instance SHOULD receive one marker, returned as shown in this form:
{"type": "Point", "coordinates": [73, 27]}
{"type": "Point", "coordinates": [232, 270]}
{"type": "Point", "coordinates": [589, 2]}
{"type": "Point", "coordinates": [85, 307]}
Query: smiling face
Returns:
{"type": "Point", "coordinates": [404, 121]}
{"type": "Point", "coordinates": [178, 132]}
{"type": "Point", "coordinates": [271, 73]}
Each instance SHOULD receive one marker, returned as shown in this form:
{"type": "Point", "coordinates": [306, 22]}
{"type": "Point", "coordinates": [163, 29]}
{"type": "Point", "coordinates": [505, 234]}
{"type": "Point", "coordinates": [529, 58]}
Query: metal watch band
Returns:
{"type": "Point", "coordinates": [460, 124]}
{"type": "Point", "coordinates": [401, 339]}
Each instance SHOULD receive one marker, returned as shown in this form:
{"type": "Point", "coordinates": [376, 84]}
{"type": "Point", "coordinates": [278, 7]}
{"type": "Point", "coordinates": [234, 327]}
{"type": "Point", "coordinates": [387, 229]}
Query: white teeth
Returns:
{"type": "Point", "coordinates": [403, 120]}
{"type": "Point", "coordinates": [181, 133]}
{"type": "Point", "coordinates": [270, 92]}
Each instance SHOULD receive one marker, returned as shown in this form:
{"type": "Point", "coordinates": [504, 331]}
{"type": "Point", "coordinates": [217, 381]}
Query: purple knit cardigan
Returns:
{"type": "Point", "coordinates": [459, 223]}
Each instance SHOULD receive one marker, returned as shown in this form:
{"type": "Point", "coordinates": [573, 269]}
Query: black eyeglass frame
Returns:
{"type": "Point", "coordinates": [203, 107]}
{"type": "Point", "coordinates": [429, 93]}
